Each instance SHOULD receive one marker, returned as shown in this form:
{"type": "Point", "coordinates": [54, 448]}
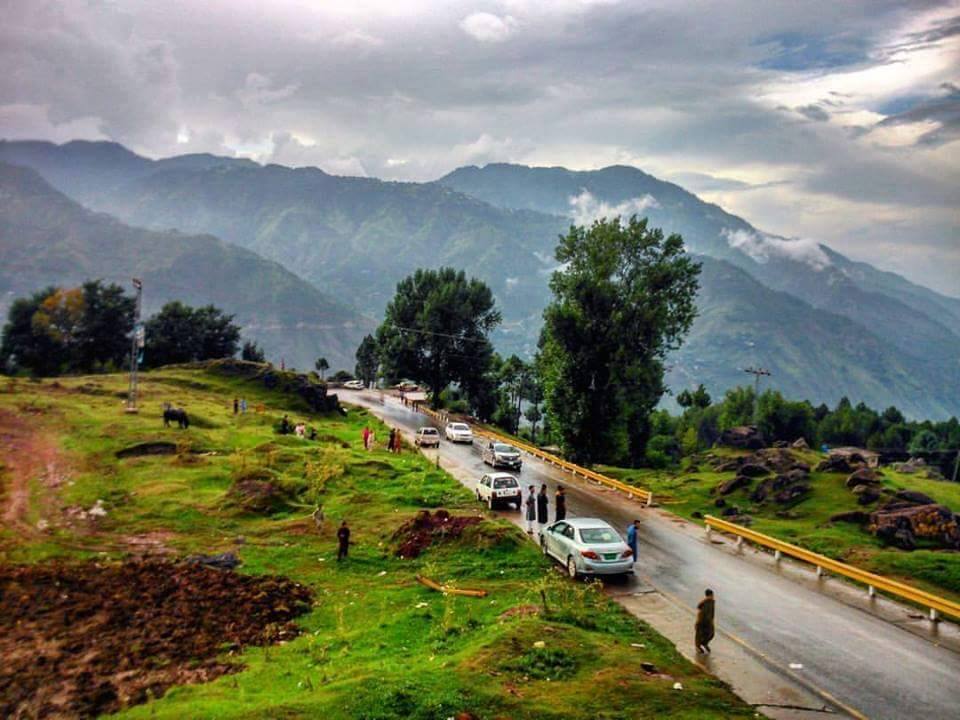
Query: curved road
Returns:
{"type": "Point", "coordinates": [870, 665]}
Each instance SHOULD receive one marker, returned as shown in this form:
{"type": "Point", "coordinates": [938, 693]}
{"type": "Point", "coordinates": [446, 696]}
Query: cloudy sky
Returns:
{"type": "Point", "coordinates": [830, 121]}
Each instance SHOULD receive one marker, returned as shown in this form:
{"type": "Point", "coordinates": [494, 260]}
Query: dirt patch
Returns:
{"type": "Point", "coordinates": [424, 530]}
{"type": "Point", "coordinates": [259, 491]}
{"type": "Point", "coordinates": [28, 454]}
{"type": "Point", "coordinates": [85, 639]}
{"type": "Point", "coordinates": [159, 447]}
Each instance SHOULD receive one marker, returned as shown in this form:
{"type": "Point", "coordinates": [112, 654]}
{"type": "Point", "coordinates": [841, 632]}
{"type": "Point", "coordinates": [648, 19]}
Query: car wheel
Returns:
{"type": "Point", "coordinates": [572, 567]}
{"type": "Point", "coordinates": [479, 499]}
{"type": "Point", "coordinates": [492, 504]}
{"type": "Point", "coordinates": [543, 546]}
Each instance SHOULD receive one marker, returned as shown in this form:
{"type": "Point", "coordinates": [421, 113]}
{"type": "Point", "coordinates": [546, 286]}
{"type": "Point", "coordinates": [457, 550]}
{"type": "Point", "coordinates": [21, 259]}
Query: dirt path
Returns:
{"type": "Point", "coordinates": [28, 455]}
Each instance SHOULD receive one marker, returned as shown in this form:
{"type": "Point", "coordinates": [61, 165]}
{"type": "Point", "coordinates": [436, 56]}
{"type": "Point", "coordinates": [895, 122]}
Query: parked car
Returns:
{"type": "Point", "coordinates": [458, 432]}
{"type": "Point", "coordinates": [427, 437]}
{"type": "Point", "coordinates": [587, 546]}
{"type": "Point", "coordinates": [500, 454]}
{"type": "Point", "coordinates": [407, 386]}
{"type": "Point", "coordinates": [353, 384]}
{"type": "Point", "coordinates": [497, 489]}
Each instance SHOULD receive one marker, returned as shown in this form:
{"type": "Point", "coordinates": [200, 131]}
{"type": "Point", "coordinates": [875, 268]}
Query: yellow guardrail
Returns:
{"type": "Point", "coordinates": [644, 496]}
{"type": "Point", "coordinates": [934, 603]}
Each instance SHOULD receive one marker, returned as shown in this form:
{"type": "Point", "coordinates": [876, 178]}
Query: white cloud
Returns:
{"type": "Point", "coordinates": [258, 89]}
{"type": "Point", "coordinates": [585, 208]}
{"type": "Point", "coordinates": [762, 247]}
{"type": "Point", "coordinates": [487, 27]}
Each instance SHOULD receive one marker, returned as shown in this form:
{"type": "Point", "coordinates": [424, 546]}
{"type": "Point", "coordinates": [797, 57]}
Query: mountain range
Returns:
{"type": "Point", "coordinates": [825, 325]}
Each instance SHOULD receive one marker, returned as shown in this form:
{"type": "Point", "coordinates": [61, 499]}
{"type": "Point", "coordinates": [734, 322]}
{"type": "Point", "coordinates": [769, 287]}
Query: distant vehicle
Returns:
{"type": "Point", "coordinates": [353, 384]}
{"type": "Point", "coordinates": [458, 432]}
{"type": "Point", "coordinates": [406, 386]}
{"type": "Point", "coordinates": [587, 546]}
{"type": "Point", "coordinates": [498, 489]}
{"type": "Point", "coordinates": [500, 454]}
{"type": "Point", "coordinates": [427, 437]}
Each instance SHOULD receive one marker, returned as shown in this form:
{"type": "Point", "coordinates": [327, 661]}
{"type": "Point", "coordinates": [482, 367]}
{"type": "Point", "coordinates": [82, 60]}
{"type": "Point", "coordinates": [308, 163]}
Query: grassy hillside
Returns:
{"type": "Point", "coordinates": [376, 644]}
{"type": "Point", "coordinates": [46, 238]}
{"type": "Point", "coordinates": [808, 522]}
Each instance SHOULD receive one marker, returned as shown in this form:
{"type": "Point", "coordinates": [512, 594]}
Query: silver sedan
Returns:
{"type": "Point", "coordinates": [587, 546]}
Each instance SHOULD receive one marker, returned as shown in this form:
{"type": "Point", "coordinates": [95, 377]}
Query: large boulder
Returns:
{"type": "Point", "coordinates": [901, 525]}
{"type": "Point", "coordinates": [863, 476]}
{"type": "Point", "coordinates": [783, 489]}
{"type": "Point", "coordinates": [746, 437]}
{"type": "Point", "coordinates": [733, 484]}
{"type": "Point", "coordinates": [837, 463]}
{"type": "Point", "coordinates": [914, 497]}
{"type": "Point", "coordinates": [866, 494]}
{"type": "Point", "coordinates": [858, 517]}
{"type": "Point", "coordinates": [753, 470]}
{"type": "Point", "coordinates": [800, 444]}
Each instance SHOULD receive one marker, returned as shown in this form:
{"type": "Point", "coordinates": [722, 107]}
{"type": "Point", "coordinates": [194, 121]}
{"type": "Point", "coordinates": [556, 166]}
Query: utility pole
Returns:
{"type": "Point", "coordinates": [136, 344]}
{"type": "Point", "coordinates": [757, 373]}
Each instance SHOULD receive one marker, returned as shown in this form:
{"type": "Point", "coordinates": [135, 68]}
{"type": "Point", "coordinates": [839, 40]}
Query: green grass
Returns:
{"type": "Point", "coordinates": [377, 644]}
{"type": "Point", "coordinates": [808, 524]}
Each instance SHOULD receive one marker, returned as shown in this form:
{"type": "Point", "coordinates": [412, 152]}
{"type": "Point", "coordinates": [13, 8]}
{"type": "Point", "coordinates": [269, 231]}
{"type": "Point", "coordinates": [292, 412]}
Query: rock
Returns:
{"type": "Point", "coordinates": [917, 498]}
{"type": "Point", "coordinates": [783, 489]}
{"type": "Point", "coordinates": [747, 437]}
{"type": "Point", "coordinates": [791, 493]}
{"type": "Point", "coordinates": [733, 484]}
{"type": "Point", "coordinates": [858, 517]}
{"type": "Point", "coordinates": [752, 470]}
{"type": "Point", "coordinates": [728, 466]}
{"type": "Point", "coordinates": [720, 502]}
{"type": "Point", "coordinates": [933, 474]}
{"type": "Point", "coordinates": [932, 522]}
{"type": "Point", "coordinates": [731, 511]}
{"type": "Point", "coordinates": [648, 667]}
{"type": "Point", "coordinates": [835, 463]}
{"type": "Point", "coordinates": [868, 494]}
{"type": "Point", "coordinates": [800, 444]}
{"type": "Point", "coordinates": [863, 476]}
{"type": "Point", "coordinates": [221, 561]}
{"type": "Point", "coordinates": [696, 515]}
{"type": "Point", "coordinates": [778, 460]}
{"type": "Point", "coordinates": [906, 468]}
{"type": "Point", "coordinates": [780, 444]}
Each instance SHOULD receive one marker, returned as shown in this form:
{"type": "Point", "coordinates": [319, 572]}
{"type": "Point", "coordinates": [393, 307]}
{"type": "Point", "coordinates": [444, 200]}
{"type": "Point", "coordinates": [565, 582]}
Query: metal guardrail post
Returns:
{"type": "Point", "coordinates": [776, 556]}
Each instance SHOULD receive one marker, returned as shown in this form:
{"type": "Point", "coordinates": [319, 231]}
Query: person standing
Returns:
{"type": "Point", "coordinates": [390, 438]}
{"type": "Point", "coordinates": [704, 629]}
{"type": "Point", "coordinates": [343, 541]}
{"type": "Point", "coordinates": [632, 538]}
{"type": "Point", "coordinates": [236, 406]}
{"type": "Point", "coordinates": [243, 406]}
{"type": "Point", "coordinates": [366, 437]}
{"type": "Point", "coordinates": [560, 503]}
{"type": "Point", "coordinates": [542, 502]}
{"type": "Point", "coordinates": [531, 507]}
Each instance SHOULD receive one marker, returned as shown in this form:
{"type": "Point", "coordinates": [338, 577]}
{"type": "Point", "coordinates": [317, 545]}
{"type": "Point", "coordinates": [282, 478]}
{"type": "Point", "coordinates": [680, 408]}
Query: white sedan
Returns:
{"type": "Point", "coordinates": [587, 546]}
{"type": "Point", "coordinates": [498, 489]}
{"type": "Point", "coordinates": [353, 385]}
{"type": "Point", "coordinates": [458, 432]}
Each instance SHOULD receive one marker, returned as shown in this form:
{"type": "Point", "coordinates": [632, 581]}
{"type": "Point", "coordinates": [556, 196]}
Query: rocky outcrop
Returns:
{"type": "Point", "coordinates": [784, 489]}
{"type": "Point", "coordinates": [914, 497]}
{"type": "Point", "coordinates": [746, 437]}
{"type": "Point", "coordinates": [900, 524]}
{"type": "Point", "coordinates": [858, 517]}
{"type": "Point", "coordinates": [863, 476]}
{"type": "Point", "coordinates": [866, 494]}
{"type": "Point", "coordinates": [725, 488]}
{"type": "Point", "coordinates": [753, 470]}
{"type": "Point", "coordinates": [800, 444]}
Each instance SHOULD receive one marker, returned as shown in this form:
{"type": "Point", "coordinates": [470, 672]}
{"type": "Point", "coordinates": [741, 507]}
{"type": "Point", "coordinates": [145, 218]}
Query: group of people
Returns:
{"type": "Point", "coordinates": [239, 406]}
{"type": "Point", "coordinates": [300, 429]}
{"type": "Point", "coordinates": [394, 440]}
{"type": "Point", "coordinates": [537, 505]}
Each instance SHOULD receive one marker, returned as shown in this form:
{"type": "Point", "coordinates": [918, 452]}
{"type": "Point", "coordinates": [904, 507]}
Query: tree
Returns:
{"type": "Point", "coordinates": [368, 360]}
{"type": "Point", "coordinates": [180, 333]}
{"type": "Point", "coordinates": [104, 338]}
{"type": "Point", "coordinates": [252, 352]}
{"type": "Point", "coordinates": [435, 331]}
{"type": "Point", "coordinates": [624, 299]}
{"type": "Point", "coordinates": [698, 398]}
{"type": "Point", "coordinates": [322, 366]}
{"type": "Point", "coordinates": [924, 441]}
{"type": "Point", "coordinates": [22, 346]}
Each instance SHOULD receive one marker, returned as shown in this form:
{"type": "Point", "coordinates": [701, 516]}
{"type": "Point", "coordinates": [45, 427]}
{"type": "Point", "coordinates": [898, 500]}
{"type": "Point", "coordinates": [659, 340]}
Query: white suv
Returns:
{"type": "Point", "coordinates": [458, 432]}
{"type": "Point", "coordinates": [498, 489]}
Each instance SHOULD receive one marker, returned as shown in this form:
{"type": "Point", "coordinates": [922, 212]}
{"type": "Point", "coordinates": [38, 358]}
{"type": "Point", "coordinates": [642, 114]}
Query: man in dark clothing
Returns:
{"type": "Point", "coordinates": [343, 540]}
{"type": "Point", "coordinates": [704, 627]}
{"type": "Point", "coordinates": [632, 538]}
{"type": "Point", "coordinates": [561, 503]}
{"type": "Point", "coordinates": [236, 406]}
{"type": "Point", "coordinates": [542, 502]}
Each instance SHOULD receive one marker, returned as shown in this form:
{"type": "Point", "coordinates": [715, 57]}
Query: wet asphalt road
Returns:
{"type": "Point", "coordinates": [865, 662]}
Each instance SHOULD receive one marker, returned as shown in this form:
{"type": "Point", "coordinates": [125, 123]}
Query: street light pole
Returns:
{"type": "Point", "coordinates": [136, 344]}
{"type": "Point", "coordinates": [757, 373]}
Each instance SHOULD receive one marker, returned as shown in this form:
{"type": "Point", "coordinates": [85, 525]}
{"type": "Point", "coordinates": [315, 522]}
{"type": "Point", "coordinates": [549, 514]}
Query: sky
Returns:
{"type": "Point", "coordinates": [832, 122]}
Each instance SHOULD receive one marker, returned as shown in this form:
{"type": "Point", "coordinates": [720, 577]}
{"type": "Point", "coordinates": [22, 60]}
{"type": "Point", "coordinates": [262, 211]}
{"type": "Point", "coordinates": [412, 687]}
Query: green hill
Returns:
{"type": "Point", "coordinates": [46, 238]}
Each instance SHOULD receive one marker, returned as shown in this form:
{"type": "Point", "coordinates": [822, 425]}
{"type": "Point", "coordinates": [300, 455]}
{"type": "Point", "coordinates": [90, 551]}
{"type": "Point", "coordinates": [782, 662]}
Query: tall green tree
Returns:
{"type": "Point", "coordinates": [104, 339]}
{"type": "Point", "coordinates": [22, 347]}
{"type": "Point", "coordinates": [180, 333]}
{"type": "Point", "coordinates": [624, 298]}
{"type": "Point", "coordinates": [368, 360]}
{"type": "Point", "coordinates": [251, 352]}
{"type": "Point", "coordinates": [435, 331]}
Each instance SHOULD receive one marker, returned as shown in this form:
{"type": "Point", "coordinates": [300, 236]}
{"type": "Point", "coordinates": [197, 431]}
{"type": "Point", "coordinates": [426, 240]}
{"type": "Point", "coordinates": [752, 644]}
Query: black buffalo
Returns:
{"type": "Point", "coordinates": [177, 415]}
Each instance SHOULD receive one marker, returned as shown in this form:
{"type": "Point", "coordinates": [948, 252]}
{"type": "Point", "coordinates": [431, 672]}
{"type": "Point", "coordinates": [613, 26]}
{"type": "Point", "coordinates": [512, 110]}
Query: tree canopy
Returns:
{"type": "Point", "coordinates": [624, 298]}
{"type": "Point", "coordinates": [368, 360]}
{"type": "Point", "coordinates": [180, 333]}
{"type": "Point", "coordinates": [435, 331]}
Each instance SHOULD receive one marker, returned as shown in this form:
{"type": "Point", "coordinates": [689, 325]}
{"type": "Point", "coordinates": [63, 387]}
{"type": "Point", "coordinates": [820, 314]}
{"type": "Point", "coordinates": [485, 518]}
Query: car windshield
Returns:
{"type": "Point", "coordinates": [459, 426]}
{"type": "Point", "coordinates": [505, 482]}
{"type": "Point", "coordinates": [429, 431]}
{"type": "Point", "coordinates": [503, 448]}
{"type": "Point", "coordinates": [598, 535]}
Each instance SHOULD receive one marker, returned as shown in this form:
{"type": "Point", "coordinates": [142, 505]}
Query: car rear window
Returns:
{"type": "Point", "coordinates": [459, 426]}
{"type": "Point", "coordinates": [429, 431]}
{"type": "Point", "coordinates": [505, 482]}
{"type": "Point", "coordinates": [598, 535]}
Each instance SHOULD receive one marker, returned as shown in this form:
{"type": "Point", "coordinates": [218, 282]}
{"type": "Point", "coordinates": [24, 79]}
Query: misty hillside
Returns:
{"type": "Point", "coordinates": [46, 238]}
{"type": "Point", "coordinates": [827, 326]}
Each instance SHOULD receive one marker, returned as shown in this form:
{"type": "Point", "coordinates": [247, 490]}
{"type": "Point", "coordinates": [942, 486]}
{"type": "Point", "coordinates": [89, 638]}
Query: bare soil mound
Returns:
{"type": "Point", "coordinates": [422, 531]}
{"type": "Point", "coordinates": [79, 640]}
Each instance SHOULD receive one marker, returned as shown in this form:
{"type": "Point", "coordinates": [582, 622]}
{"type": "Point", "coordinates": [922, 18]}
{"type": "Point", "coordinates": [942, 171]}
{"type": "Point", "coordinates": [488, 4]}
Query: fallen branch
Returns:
{"type": "Point", "coordinates": [434, 585]}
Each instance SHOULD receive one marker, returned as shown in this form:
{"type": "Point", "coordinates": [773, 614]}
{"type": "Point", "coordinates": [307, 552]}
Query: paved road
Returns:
{"type": "Point", "coordinates": [865, 662]}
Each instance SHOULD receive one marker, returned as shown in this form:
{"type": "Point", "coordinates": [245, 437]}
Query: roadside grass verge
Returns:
{"type": "Point", "coordinates": [377, 644]}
